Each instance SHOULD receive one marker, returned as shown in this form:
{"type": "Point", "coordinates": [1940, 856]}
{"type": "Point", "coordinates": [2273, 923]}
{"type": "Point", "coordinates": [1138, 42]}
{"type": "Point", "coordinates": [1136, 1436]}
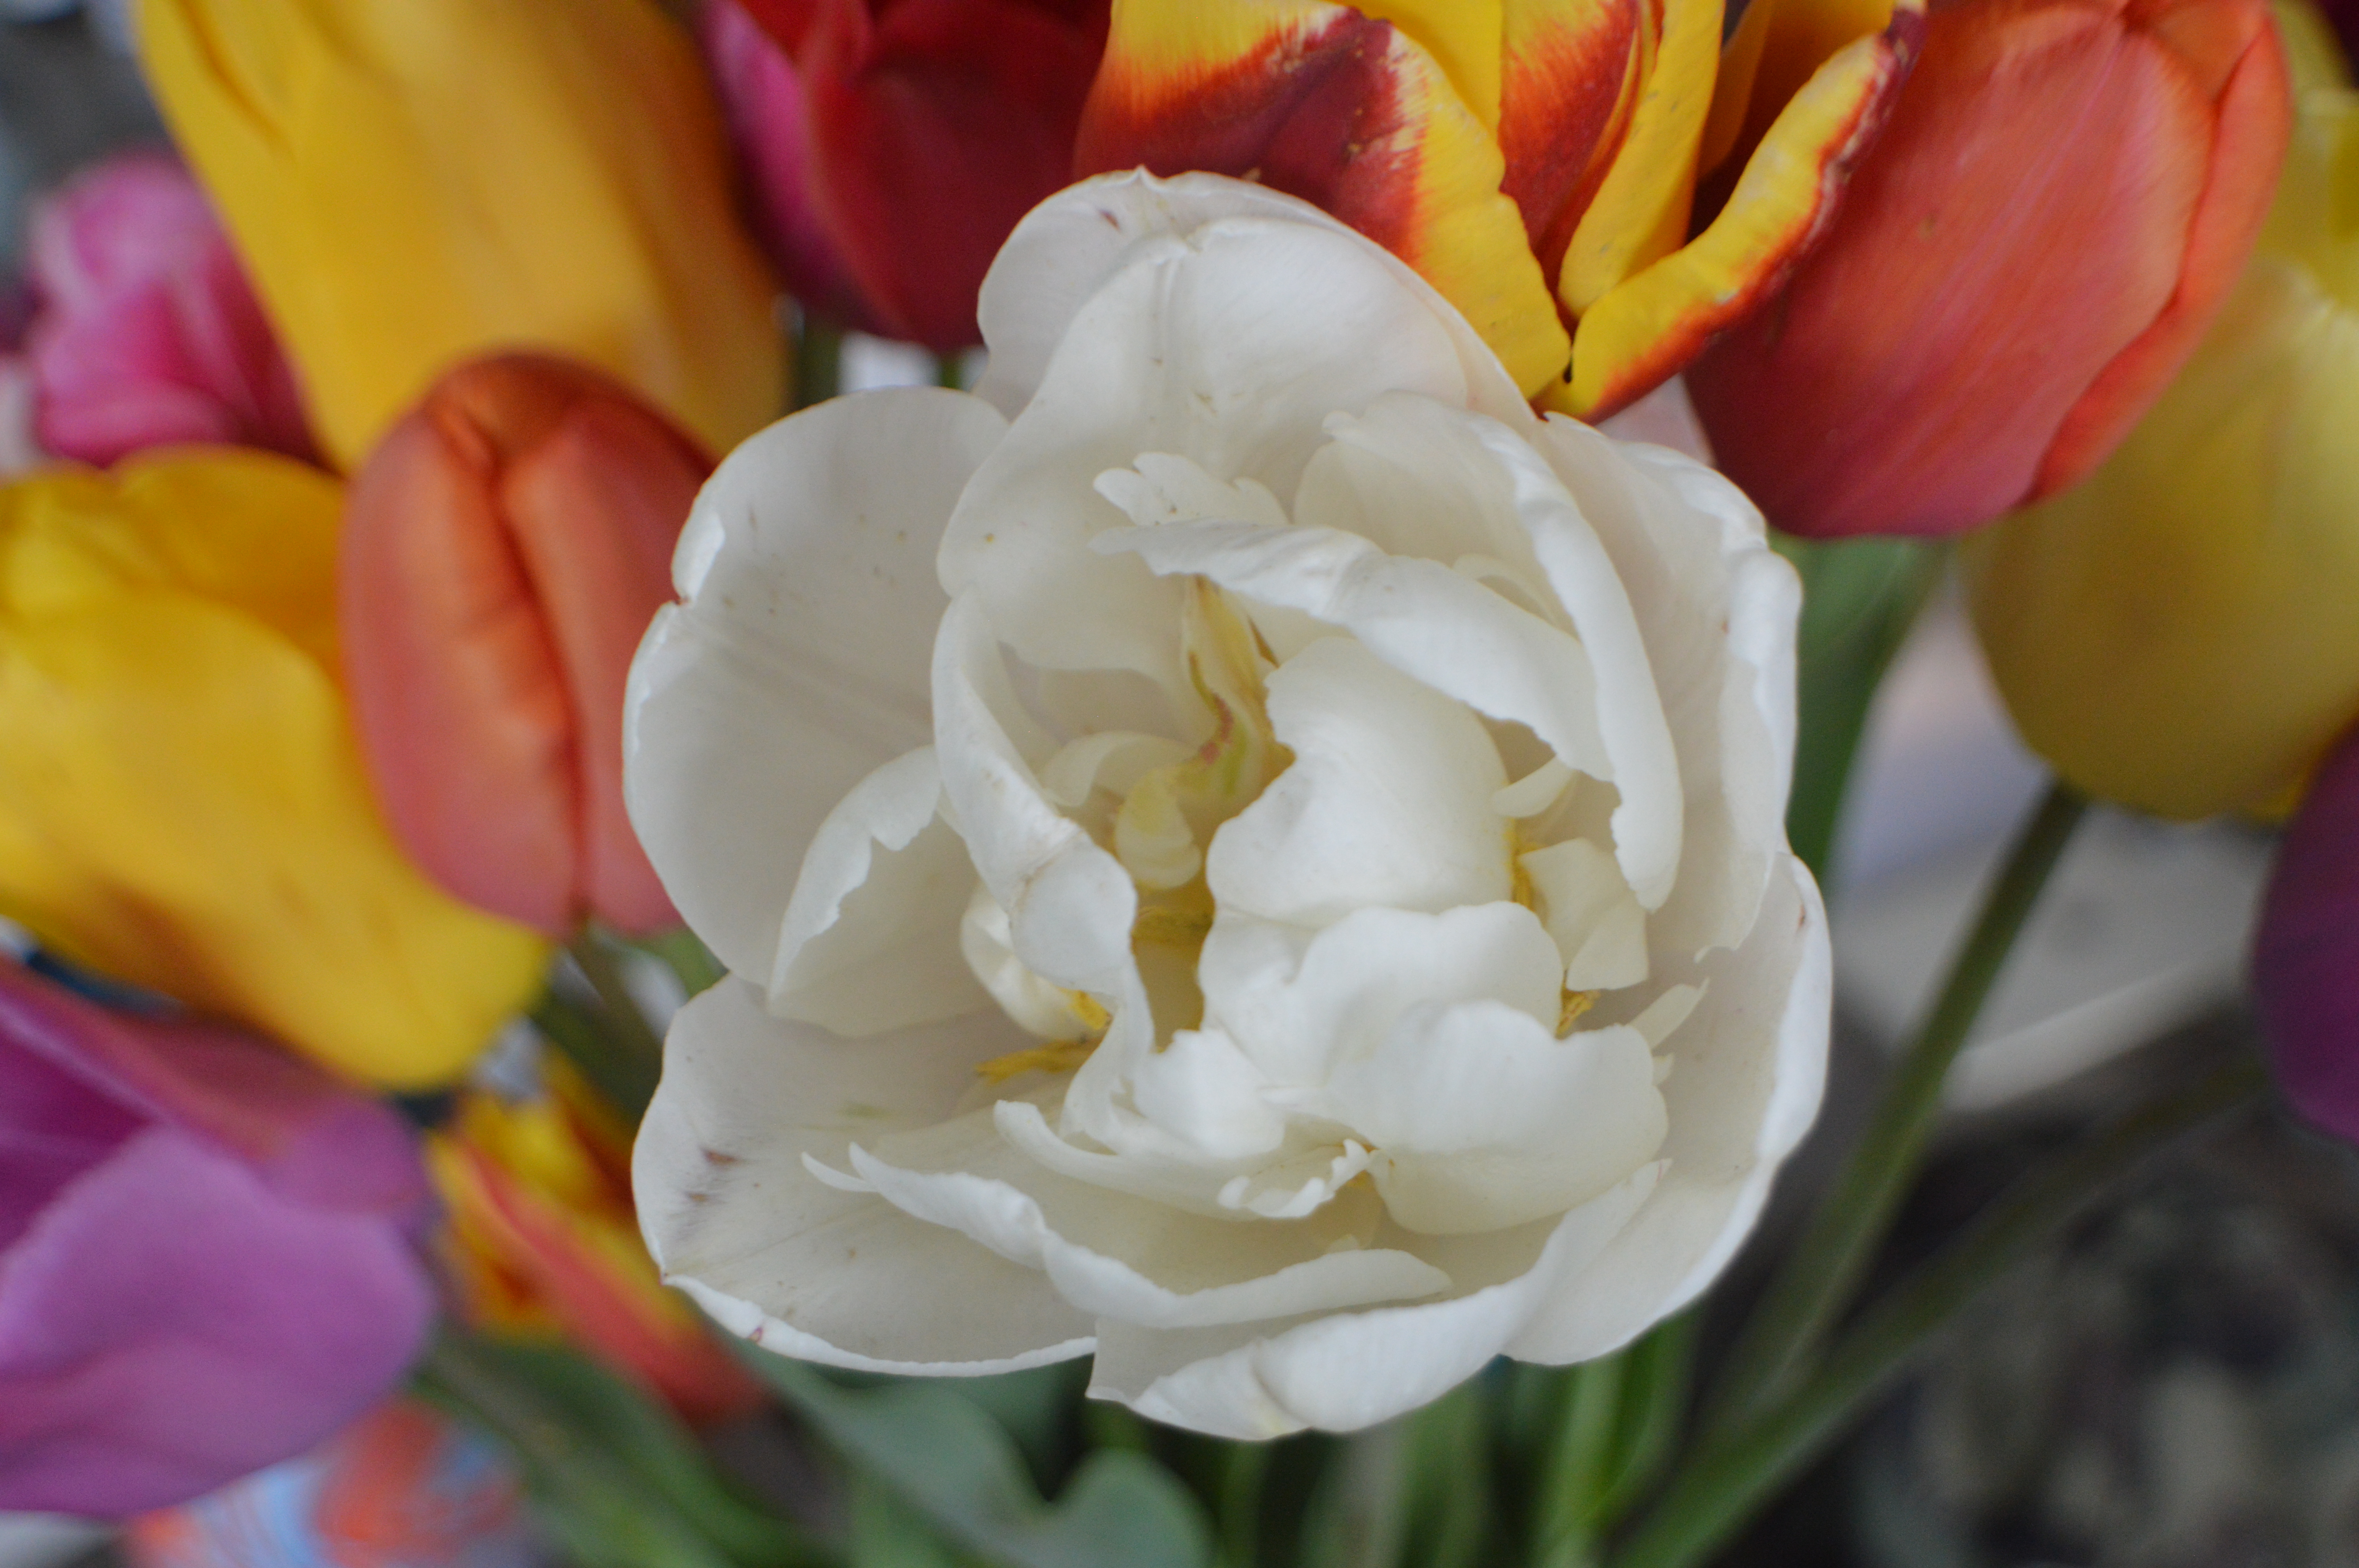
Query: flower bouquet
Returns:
{"type": "Point", "coordinates": [1194, 936]}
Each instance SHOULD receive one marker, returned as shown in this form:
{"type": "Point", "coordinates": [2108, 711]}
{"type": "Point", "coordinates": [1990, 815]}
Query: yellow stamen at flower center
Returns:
{"type": "Point", "coordinates": [1575, 1004]}
{"type": "Point", "coordinates": [1057, 1056]}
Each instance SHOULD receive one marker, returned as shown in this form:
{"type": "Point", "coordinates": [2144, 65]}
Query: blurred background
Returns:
{"type": "Point", "coordinates": [2187, 1391]}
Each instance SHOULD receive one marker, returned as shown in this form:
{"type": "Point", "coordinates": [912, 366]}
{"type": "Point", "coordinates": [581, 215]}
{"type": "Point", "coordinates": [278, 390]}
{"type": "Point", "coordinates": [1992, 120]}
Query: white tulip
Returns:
{"type": "Point", "coordinates": [1239, 848]}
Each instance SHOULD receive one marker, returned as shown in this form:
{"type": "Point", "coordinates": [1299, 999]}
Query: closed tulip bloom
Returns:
{"type": "Point", "coordinates": [893, 144]}
{"type": "Point", "coordinates": [145, 330]}
{"type": "Point", "coordinates": [2177, 634]}
{"type": "Point", "coordinates": [206, 1260]}
{"type": "Point", "coordinates": [1598, 185]}
{"type": "Point", "coordinates": [413, 183]}
{"type": "Point", "coordinates": [2306, 951]}
{"type": "Point", "coordinates": [182, 803]}
{"type": "Point", "coordinates": [2065, 194]}
{"type": "Point", "coordinates": [504, 550]}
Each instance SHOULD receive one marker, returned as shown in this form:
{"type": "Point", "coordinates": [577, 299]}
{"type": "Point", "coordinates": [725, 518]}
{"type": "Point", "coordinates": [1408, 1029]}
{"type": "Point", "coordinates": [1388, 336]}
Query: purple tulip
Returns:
{"type": "Point", "coordinates": [145, 332]}
{"type": "Point", "coordinates": [2306, 955]}
{"type": "Point", "coordinates": [208, 1254]}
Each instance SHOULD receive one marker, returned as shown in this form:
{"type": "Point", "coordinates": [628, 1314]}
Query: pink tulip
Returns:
{"type": "Point", "coordinates": [208, 1254]}
{"type": "Point", "coordinates": [145, 332]}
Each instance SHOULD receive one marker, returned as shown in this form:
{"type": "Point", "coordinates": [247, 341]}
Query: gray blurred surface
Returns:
{"type": "Point", "coordinates": [67, 95]}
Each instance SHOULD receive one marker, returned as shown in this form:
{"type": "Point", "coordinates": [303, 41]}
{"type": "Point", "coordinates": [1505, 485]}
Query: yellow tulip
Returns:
{"type": "Point", "coordinates": [2181, 632]}
{"type": "Point", "coordinates": [182, 803]}
{"type": "Point", "coordinates": [413, 183]}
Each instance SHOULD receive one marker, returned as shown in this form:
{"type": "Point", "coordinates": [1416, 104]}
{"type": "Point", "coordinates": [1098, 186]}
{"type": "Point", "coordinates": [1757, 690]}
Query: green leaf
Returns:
{"type": "Point", "coordinates": [888, 1533]}
{"type": "Point", "coordinates": [943, 1456]}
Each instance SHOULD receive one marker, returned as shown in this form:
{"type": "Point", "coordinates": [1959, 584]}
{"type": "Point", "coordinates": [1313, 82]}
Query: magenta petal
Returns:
{"type": "Point", "coordinates": [170, 1324]}
{"type": "Point", "coordinates": [769, 121]}
{"type": "Point", "coordinates": [206, 1257]}
{"type": "Point", "coordinates": [2306, 953]}
{"type": "Point", "coordinates": [146, 331]}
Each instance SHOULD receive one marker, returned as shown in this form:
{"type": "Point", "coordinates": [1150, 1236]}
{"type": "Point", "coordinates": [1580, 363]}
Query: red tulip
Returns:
{"type": "Point", "coordinates": [893, 144]}
{"type": "Point", "coordinates": [2065, 193]}
{"type": "Point", "coordinates": [504, 547]}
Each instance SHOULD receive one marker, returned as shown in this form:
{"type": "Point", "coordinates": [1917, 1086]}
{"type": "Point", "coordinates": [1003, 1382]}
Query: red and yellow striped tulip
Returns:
{"type": "Point", "coordinates": [1599, 185]}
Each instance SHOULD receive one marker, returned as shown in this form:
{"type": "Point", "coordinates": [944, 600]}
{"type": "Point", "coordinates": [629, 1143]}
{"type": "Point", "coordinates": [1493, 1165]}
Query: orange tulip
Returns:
{"type": "Point", "coordinates": [2065, 193]}
{"type": "Point", "coordinates": [1598, 185]}
{"type": "Point", "coordinates": [504, 549]}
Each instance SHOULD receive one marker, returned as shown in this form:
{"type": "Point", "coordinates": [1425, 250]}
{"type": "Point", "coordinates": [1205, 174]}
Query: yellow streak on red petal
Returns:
{"type": "Point", "coordinates": [1642, 333]}
{"type": "Point", "coordinates": [1464, 235]}
{"type": "Point", "coordinates": [1464, 38]}
{"type": "Point", "coordinates": [1641, 209]}
{"type": "Point", "coordinates": [1568, 82]}
{"type": "Point", "coordinates": [1778, 48]}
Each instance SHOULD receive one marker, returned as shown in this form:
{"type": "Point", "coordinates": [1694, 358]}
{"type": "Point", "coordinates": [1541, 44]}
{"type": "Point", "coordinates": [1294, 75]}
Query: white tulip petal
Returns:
{"type": "Point", "coordinates": [870, 941]}
{"type": "Point", "coordinates": [1592, 914]}
{"type": "Point", "coordinates": [1350, 1370]}
{"type": "Point", "coordinates": [988, 945]}
{"type": "Point", "coordinates": [792, 666]}
{"type": "Point", "coordinates": [1645, 765]}
{"type": "Point", "coordinates": [1109, 759]}
{"type": "Point", "coordinates": [1300, 1004]}
{"type": "Point", "coordinates": [732, 1216]}
{"type": "Point", "coordinates": [1388, 801]}
{"type": "Point", "coordinates": [1140, 1263]}
{"type": "Point", "coordinates": [1219, 348]}
{"type": "Point", "coordinates": [1069, 903]}
{"type": "Point", "coordinates": [1420, 617]}
{"type": "Point", "coordinates": [1752, 1065]}
{"type": "Point", "coordinates": [1209, 1095]}
{"type": "Point", "coordinates": [1483, 1119]}
{"type": "Point", "coordinates": [1412, 478]}
{"type": "Point", "coordinates": [1718, 608]}
{"type": "Point", "coordinates": [1068, 247]}
{"type": "Point", "coordinates": [1536, 792]}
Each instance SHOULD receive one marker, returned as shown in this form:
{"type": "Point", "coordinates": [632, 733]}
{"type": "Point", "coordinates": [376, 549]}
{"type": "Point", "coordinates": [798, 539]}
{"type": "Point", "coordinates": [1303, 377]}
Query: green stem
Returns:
{"type": "Point", "coordinates": [818, 360]}
{"type": "Point", "coordinates": [1243, 1467]}
{"type": "Point", "coordinates": [1713, 1496]}
{"type": "Point", "coordinates": [1577, 1467]}
{"type": "Point", "coordinates": [1860, 597]}
{"type": "Point", "coordinates": [949, 370]}
{"type": "Point", "coordinates": [1817, 1278]}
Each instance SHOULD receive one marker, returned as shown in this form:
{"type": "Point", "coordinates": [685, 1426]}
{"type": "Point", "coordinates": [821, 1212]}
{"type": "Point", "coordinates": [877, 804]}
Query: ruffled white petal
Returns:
{"type": "Point", "coordinates": [1349, 1370]}
{"type": "Point", "coordinates": [870, 941]}
{"type": "Point", "coordinates": [734, 1218]}
{"type": "Point", "coordinates": [796, 660]}
{"type": "Point", "coordinates": [1127, 1259]}
{"type": "Point", "coordinates": [1299, 1003]}
{"type": "Point", "coordinates": [1068, 247]}
{"type": "Point", "coordinates": [1388, 801]}
{"type": "Point", "coordinates": [1646, 765]}
{"type": "Point", "coordinates": [1219, 346]}
{"type": "Point", "coordinates": [1751, 1064]}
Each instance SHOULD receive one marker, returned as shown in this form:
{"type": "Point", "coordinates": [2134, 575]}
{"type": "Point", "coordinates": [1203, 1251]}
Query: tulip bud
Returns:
{"type": "Point", "coordinates": [892, 148]}
{"type": "Point", "coordinates": [145, 332]}
{"type": "Point", "coordinates": [2176, 633]}
{"type": "Point", "coordinates": [2306, 951]}
{"type": "Point", "coordinates": [415, 182]}
{"type": "Point", "coordinates": [2065, 193]}
{"type": "Point", "coordinates": [181, 802]}
{"type": "Point", "coordinates": [505, 549]}
{"type": "Point", "coordinates": [205, 1254]}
